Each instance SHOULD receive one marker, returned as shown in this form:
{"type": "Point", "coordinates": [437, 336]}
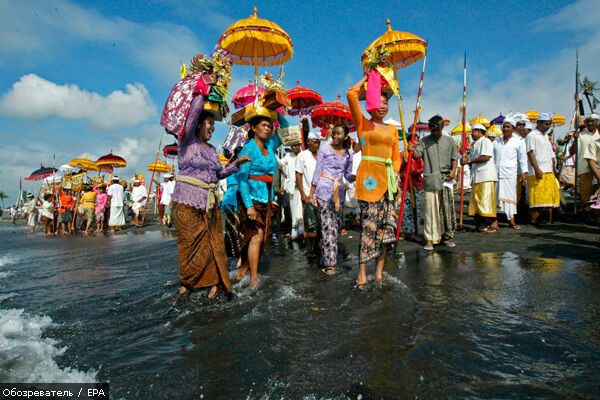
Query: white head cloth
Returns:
{"type": "Point", "coordinates": [478, 126]}
{"type": "Point", "coordinates": [592, 117]}
{"type": "Point", "coordinates": [315, 134]}
{"type": "Point", "coordinates": [509, 120]}
{"type": "Point", "coordinates": [545, 117]}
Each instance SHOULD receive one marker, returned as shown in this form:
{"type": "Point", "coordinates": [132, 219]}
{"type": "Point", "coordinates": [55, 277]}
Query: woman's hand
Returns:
{"type": "Point", "coordinates": [251, 213]}
{"type": "Point", "coordinates": [242, 160]}
{"type": "Point", "coordinates": [313, 201]}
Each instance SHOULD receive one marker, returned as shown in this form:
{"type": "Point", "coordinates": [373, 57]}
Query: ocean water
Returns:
{"type": "Point", "coordinates": [452, 324]}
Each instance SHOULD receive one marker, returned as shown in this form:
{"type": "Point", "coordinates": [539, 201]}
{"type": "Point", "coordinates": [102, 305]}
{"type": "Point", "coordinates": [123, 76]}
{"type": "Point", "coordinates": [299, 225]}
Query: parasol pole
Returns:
{"type": "Point", "coordinates": [463, 141]}
{"type": "Point", "coordinates": [412, 141]}
{"type": "Point", "coordinates": [578, 110]}
{"type": "Point", "coordinates": [53, 194]}
{"type": "Point", "coordinates": [410, 181]}
{"type": "Point", "coordinates": [151, 179]}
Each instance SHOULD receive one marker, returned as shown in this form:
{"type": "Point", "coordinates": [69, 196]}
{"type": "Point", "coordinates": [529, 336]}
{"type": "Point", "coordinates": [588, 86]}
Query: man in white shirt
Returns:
{"type": "Point", "coordinates": [139, 194]}
{"type": "Point", "coordinates": [350, 200]}
{"type": "Point", "coordinates": [544, 194]}
{"type": "Point", "coordinates": [510, 157]}
{"type": "Point", "coordinates": [482, 204]}
{"type": "Point", "coordinates": [306, 162]}
{"type": "Point", "coordinates": [165, 198]}
{"type": "Point", "coordinates": [583, 139]}
{"type": "Point", "coordinates": [117, 216]}
{"type": "Point", "coordinates": [288, 164]}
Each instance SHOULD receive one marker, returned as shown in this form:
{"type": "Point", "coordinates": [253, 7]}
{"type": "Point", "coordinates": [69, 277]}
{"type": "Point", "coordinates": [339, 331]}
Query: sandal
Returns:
{"type": "Point", "coordinates": [428, 247]}
{"type": "Point", "coordinates": [329, 271]}
{"type": "Point", "coordinates": [449, 243]}
{"type": "Point", "coordinates": [515, 226]}
{"type": "Point", "coordinates": [361, 286]}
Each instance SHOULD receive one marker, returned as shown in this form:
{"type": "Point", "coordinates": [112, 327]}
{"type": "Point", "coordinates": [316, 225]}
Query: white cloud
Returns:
{"type": "Point", "coordinates": [41, 30]}
{"type": "Point", "coordinates": [34, 97]}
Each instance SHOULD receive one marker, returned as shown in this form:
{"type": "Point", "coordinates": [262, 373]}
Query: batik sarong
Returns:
{"type": "Point", "coordinates": [202, 258]}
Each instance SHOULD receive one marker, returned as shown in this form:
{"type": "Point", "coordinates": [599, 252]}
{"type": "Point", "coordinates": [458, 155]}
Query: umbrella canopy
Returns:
{"type": "Point", "coordinates": [159, 166]}
{"type": "Point", "coordinates": [532, 115]}
{"type": "Point", "coordinates": [499, 120]}
{"type": "Point", "coordinates": [303, 99]}
{"type": "Point", "coordinates": [106, 168]}
{"type": "Point", "coordinates": [66, 169]}
{"type": "Point", "coordinates": [494, 129]}
{"type": "Point", "coordinates": [256, 41]}
{"type": "Point", "coordinates": [41, 173]}
{"type": "Point", "coordinates": [246, 95]}
{"type": "Point", "coordinates": [171, 151]}
{"type": "Point", "coordinates": [458, 129]}
{"type": "Point", "coordinates": [480, 120]}
{"type": "Point", "coordinates": [111, 160]}
{"type": "Point", "coordinates": [331, 113]}
{"type": "Point", "coordinates": [421, 127]}
{"type": "Point", "coordinates": [405, 47]}
{"type": "Point", "coordinates": [558, 120]}
{"type": "Point", "coordinates": [83, 163]}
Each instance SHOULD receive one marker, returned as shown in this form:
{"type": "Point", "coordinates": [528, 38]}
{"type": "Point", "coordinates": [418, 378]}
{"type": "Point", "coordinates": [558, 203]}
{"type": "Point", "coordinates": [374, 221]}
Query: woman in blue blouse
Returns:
{"type": "Point", "coordinates": [255, 186]}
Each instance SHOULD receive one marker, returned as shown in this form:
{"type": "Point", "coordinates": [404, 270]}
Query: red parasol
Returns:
{"type": "Point", "coordinates": [420, 128]}
{"type": "Point", "coordinates": [246, 95]}
{"type": "Point", "coordinates": [170, 151]}
{"type": "Point", "coordinates": [303, 99]}
{"type": "Point", "coordinates": [332, 113]}
{"type": "Point", "coordinates": [41, 173]}
{"type": "Point", "coordinates": [111, 160]}
{"type": "Point", "coordinates": [106, 168]}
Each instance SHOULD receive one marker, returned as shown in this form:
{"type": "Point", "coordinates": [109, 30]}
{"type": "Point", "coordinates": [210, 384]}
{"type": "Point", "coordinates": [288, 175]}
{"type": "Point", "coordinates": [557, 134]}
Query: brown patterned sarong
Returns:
{"type": "Point", "coordinates": [249, 228]}
{"type": "Point", "coordinates": [202, 258]}
{"type": "Point", "coordinates": [379, 220]}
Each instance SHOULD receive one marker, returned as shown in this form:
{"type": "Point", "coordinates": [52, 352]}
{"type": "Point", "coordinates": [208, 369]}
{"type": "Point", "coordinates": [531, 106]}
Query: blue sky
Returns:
{"type": "Point", "coordinates": [88, 76]}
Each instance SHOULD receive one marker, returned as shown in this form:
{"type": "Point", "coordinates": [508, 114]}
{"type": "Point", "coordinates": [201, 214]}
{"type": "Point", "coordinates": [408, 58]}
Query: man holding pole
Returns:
{"type": "Point", "coordinates": [440, 159]}
{"type": "Point", "coordinates": [482, 204]}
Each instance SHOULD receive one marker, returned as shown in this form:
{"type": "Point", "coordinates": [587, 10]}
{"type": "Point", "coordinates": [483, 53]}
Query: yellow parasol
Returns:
{"type": "Point", "coordinates": [480, 120]}
{"type": "Point", "coordinates": [84, 163]}
{"type": "Point", "coordinates": [458, 129]}
{"type": "Point", "coordinates": [256, 41]}
{"type": "Point", "coordinates": [159, 166]}
{"type": "Point", "coordinates": [494, 129]}
{"type": "Point", "coordinates": [558, 120]}
{"type": "Point", "coordinates": [532, 115]}
{"type": "Point", "coordinates": [405, 47]}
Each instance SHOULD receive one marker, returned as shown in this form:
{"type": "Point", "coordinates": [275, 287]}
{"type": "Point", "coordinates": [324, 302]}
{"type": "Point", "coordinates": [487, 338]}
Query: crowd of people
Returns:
{"type": "Point", "coordinates": [318, 185]}
{"type": "Point", "coordinates": [94, 208]}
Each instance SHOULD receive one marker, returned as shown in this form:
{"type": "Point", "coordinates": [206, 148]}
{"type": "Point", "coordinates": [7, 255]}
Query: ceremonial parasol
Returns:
{"type": "Point", "coordinates": [499, 120]}
{"type": "Point", "coordinates": [405, 49]}
{"type": "Point", "coordinates": [111, 160]}
{"type": "Point", "coordinates": [256, 41]}
{"type": "Point", "coordinates": [247, 95]}
{"type": "Point", "coordinates": [458, 129]}
{"type": "Point", "coordinates": [331, 113]}
{"type": "Point", "coordinates": [494, 129]}
{"type": "Point", "coordinates": [480, 120]}
{"type": "Point", "coordinates": [159, 166]}
{"type": "Point", "coordinates": [303, 99]}
{"type": "Point", "coordinates": [420, 128]}
{"type": "Point", "coordinates": [558, 120]}
{"type": "Point", "coordinates": [41, 173]}
{"type": "Point", "coordinates": [83, 163]}
{"type": "Point", "coordinates": [532, 115]}
{"type": "Point", "coordinates": [170, 151]}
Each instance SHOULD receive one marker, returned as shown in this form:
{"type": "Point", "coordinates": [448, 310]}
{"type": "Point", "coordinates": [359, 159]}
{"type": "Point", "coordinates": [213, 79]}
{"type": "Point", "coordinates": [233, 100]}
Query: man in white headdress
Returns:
{"type": "Point", "coordinates": [510, 156]}
{"type": "Point", "coordinates": [482, 204]}
{"type": "Point", "coordinates": [544, 192]}
{"type": "Point", "coordinates": [306, 162]}
{"type": "Point", "coordinates": [165, 198]}
{"type": "Point", "coordinates": [139, 194]}
{"type": "Point", "coordinates": [583, 140]}
{"type": "Point", "coordinates": [115, 192]}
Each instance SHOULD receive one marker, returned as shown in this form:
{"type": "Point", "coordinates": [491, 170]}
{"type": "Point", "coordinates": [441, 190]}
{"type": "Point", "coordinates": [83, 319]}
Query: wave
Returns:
{"type": "Point", "coordinates": [28, 357]}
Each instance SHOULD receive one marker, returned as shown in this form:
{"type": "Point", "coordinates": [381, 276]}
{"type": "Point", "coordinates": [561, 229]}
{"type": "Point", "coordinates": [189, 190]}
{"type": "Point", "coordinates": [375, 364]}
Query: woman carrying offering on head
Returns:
{"type": "Point", "coordinates": [377, 187]}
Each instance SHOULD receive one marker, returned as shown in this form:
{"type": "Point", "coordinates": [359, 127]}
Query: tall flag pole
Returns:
{"type": "Point", "coordinates": [412, 141]}
{"type": "Point", "coordinates": [464, 145]}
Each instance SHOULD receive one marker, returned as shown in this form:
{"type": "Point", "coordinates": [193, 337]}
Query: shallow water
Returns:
{"type": "Point", "coordinates": [447, 324]}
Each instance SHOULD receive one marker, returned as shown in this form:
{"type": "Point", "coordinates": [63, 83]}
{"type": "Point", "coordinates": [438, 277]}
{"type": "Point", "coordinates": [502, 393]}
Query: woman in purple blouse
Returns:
{"type": "Point", "coordinates": [334, 162]}
{"type": "Point", "coordinates": [197, 214]}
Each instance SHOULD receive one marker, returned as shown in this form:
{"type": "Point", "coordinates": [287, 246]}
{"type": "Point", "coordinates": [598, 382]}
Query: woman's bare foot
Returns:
{"type": "Point", "coordinates": [213, 292]}
{"type": "Point", "coordinates": [254, 283]}
{"type": "Point", "coordinates": [241, 273]}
